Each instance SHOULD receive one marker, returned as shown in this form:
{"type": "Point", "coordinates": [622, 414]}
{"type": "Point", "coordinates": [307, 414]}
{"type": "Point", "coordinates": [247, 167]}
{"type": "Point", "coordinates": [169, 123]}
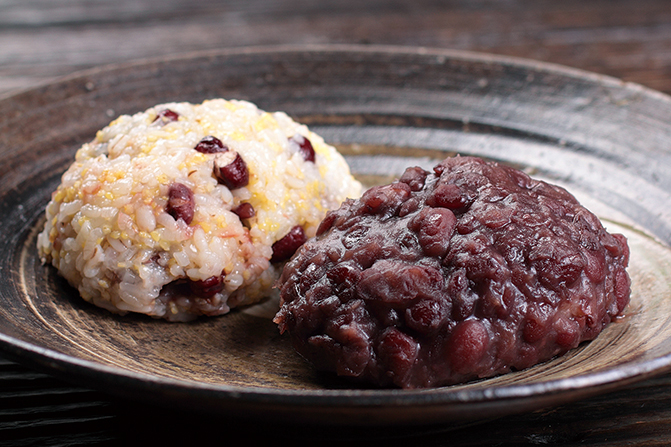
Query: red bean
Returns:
{"type": "Point", "coordinates": [535, 326]}
{"type": "Point", "coordinates": [434, 228]}
{"type": "Point", "coordinates": [427, 316]}
{"type": "Point", "coordinates": [568, 332]}
{"type": "Point", "coordinates": [327, 222]}
{"type": "Point", "coordinates": [166, 116]}
{"type": "Point", "coordinates": [245, 210]}
{"type": "Point", "coordinates": [208, 287]}
{"type": "Point", "coordinates": [414, 177]}
{"type": "Point", "coordinates": [556, 264]}
{"type": "Point", "coordinates": [234, 174]}
{"type": "Point", "coordinates": [398, 283]}
{"type": "Point", "coordinates": [622, 288]}
{"type": "Point", "coordinates": [181, 203]}
{"type": "Point", "coordinates": [285, 248]}
{"type": "Point", "coordinates": [344, 278]}
{"type": "Point", "coordinates": [398, 352]}
{"type": "Point", "coordinates": [467, 345]}
{"type": "Point", "coordinates": [387, 199]}
{"type": "Point", "coordinates": [210, 145]}
{"type": "Point", "coordinates": [447, 196]}
{"type": "Point", "coordinates": [304, 147]}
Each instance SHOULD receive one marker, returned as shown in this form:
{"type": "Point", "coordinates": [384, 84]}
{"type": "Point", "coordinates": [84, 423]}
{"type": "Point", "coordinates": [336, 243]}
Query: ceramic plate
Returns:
{"type": "Point", "coordinates": [608, 142]}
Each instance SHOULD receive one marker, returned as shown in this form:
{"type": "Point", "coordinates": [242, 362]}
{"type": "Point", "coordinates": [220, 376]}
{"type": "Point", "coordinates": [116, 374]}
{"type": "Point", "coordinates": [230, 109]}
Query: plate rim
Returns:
{"type": "Point", "coordinates": [450, 53]}
{"type": "Point", "coordinates": [50, 360]}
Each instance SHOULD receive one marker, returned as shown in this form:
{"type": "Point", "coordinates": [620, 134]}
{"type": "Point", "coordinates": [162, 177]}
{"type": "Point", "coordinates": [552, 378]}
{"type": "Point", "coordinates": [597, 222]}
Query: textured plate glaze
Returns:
{"type": "Point", "coordinates": [386, 109]}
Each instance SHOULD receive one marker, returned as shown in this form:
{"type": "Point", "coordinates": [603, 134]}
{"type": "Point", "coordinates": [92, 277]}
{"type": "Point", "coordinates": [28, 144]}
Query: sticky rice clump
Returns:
{"type": "Point", "coordinates": [185, 210]}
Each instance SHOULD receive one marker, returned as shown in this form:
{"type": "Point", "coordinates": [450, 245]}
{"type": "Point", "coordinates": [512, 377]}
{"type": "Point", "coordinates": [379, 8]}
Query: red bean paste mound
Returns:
{"type": "Point", "coordinates": [467, 272]}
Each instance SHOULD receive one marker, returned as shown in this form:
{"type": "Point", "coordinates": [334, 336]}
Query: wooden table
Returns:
{"type": "Point", "coordinates": [41, 40]}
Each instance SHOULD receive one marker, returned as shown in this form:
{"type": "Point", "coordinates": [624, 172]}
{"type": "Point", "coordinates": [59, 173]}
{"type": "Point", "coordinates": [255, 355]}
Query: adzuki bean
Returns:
{"type": "Point", "coordinates": [234, 174]}
{"type": "Point", "coordinates": [166, 116]}
{"type": "Point", "coordinates": [210, 145]}
{"type": "Point", "coordinates": [285, 248]}
{"type": "Point", "coordinates": [245, 210]}
{"type": "Point", "coordinates": [304, 147]}
{"type": "Point", "coordinates": [206, 288]}
{"type": "Point", "coordinates": [181, 203]}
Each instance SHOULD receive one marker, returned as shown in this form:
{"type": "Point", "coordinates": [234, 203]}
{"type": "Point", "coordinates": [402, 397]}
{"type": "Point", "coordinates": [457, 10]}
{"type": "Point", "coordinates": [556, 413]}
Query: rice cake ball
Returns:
{"type": "Point", "coordinates": [441, 277]}
{"type": "Point", "coordinates": [185, 210]}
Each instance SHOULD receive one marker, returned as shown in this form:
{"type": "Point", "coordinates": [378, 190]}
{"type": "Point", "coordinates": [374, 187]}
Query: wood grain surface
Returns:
{"type": "Point", "coordinates": [41, 40]}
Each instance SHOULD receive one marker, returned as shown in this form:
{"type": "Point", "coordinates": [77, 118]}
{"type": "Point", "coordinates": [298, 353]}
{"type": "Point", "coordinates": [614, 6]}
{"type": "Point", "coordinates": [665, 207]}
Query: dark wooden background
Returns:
{"type": "Point", "coordinates": [43, 39]}
{"type": "Point", "coordinates": [628, 39]}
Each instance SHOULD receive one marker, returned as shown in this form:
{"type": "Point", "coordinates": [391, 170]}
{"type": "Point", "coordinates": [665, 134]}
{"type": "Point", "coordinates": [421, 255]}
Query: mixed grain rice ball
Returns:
{"type": "Point", "coordinates": [185, 210]}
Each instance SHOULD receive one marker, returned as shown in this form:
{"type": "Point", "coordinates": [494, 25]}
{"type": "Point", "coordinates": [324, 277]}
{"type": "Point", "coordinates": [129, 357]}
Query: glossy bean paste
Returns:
{"type": "Point", "coordinates": [466, 272]}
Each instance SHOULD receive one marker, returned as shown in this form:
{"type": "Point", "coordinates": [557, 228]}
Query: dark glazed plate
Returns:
{"type": "Point", "coordinates": [386, 108]}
